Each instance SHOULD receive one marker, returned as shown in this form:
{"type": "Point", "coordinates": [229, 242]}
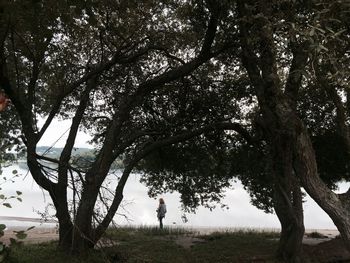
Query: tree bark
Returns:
{"type": "Point", "coordinates": [336, 206]}
{"type": "Point", "coordinates": [305, 166]}
{"type": "Point", "coordinates": [64, 233]}
{"type": "Point", "coordinates": [262, 71]}
{"type": "Point", "coordinates": [287, 198]}
{"type": "Point", "coordinates": [288, 207]}
{"type": "Point", "coordinates": [83, 232]}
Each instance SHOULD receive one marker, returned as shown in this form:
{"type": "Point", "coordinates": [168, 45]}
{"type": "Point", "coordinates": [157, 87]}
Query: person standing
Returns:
{"type": "Point", "coordinates": [161, 211]}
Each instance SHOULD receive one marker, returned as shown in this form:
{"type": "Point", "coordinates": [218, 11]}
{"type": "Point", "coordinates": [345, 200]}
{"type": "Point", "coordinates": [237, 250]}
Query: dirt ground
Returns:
{"type": "Point", "coordinates": [328, 251]}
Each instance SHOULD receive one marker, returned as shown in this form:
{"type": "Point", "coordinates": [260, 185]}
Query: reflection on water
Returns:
{"type": "Point", "coordinates": [139, 209]}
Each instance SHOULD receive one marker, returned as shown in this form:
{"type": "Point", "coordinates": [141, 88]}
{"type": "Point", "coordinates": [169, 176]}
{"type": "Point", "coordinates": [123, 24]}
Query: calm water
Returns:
{"type": "Point", "coordinates": [140, 209]}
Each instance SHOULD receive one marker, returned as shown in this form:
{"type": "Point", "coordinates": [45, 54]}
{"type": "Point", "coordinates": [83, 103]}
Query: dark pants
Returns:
{"type": "Point", "coordinates": [160, 222]}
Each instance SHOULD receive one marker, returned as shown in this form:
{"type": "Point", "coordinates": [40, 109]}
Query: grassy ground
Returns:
{"type": "Point", "coordinates": [152, 245]}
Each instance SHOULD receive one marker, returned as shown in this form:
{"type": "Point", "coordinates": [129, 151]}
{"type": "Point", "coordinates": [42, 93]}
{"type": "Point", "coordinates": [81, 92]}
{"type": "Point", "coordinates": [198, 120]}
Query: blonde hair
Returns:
{"type": "Point", "coordinates": [161, 200]}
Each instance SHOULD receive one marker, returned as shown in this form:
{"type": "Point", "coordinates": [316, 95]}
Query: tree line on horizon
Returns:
{"type": "Point", "coordinates": [191, 93]}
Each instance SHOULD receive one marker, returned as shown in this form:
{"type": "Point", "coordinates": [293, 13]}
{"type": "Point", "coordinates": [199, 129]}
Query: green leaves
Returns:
{"type": "Point", "coordinates": [21, 234]}
{"type": "Point", "coordinates": [2, 228]}
{"type": "Point", "coordinates": [2, 245]}
{"type": "Point", "coordinates": [4, 199]}
{"type": "Point", "coordinates": [13, 241]}
{"type": "Point", "coordinates": [3, 252]}
{"type": "Point", "coordinates": [2, 248]}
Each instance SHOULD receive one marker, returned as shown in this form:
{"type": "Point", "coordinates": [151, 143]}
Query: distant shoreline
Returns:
{"type": "Point", "coordinates": [27, 219]}
{"type": "Point", "coordinates": [202, 229]}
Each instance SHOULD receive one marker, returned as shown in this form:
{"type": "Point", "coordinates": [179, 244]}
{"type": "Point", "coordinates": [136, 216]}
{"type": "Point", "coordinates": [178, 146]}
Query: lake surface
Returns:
{"type": "Point", "coordinates": [140, 209]}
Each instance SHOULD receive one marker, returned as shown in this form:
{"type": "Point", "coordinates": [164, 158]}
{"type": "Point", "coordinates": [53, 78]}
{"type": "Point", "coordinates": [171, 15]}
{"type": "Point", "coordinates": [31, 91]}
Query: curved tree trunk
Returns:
{"type": "Point", "coordinates": [305, 166]}
{"type": "Point", "coordinates": [335, 205]}
{"type": "Point", "coordinates": [284, 120]}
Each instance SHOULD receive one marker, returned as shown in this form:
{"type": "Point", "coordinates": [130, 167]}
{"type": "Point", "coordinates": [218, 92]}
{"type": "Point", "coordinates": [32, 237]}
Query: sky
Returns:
{"type": "Point", "coordinates": [57, 134]}
{"type": "Point", "coordinates": [140, 209]}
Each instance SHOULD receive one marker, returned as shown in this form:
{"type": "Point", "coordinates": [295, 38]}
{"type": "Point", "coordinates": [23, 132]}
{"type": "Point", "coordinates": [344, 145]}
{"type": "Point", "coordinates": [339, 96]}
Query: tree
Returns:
{"type": "Point", "coordinates": [97, 63]}
{"type": "Point", "coordinates": [126, 72]}
{"type": "Point", "coordinates": [275, 37]}
{"type": "Point", "coordinates": [285, 131]}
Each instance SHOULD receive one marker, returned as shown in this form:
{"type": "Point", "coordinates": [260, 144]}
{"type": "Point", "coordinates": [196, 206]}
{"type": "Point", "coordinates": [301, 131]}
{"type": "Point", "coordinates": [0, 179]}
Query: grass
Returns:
{"type": "Point", "coordinates": [150, 244]}
{"type": "Point", "coordinates": [149, 231]}
{"type": "Point", "coordinates": [238, 246]}
{"type": "Point", "coordinates": [48, 252]}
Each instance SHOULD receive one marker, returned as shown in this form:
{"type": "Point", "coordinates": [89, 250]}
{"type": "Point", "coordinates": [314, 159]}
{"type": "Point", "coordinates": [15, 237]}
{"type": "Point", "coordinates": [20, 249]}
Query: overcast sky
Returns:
{"type": "Point", "coordinates": [57, 134]}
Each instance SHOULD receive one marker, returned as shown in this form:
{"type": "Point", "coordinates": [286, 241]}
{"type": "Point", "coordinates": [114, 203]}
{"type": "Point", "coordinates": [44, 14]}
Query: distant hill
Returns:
{"type": "Point", "coordinates": [55, 151]}
{"type": "Point", "coordinates": [82, 156]}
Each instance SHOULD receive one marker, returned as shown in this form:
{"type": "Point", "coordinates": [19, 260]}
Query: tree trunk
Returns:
{"type": "Point", "coordinates": [81, 241]}
{"type": "Point", "coordinates": [65, 235]}
{"type": "Point", "coordinates": [279, 111]}
{"type": "Point", "coordinates": [283, 120]}
{"type": "Point", "coordinates": [287, 197]}
{"type": "Point", "coordinates": [288, 207]}
{"type": "Point", "coordinates": [305, 167]}
{"type": "Point", "coordinates": [83, 233]}
{"type": "Point", "coordinates": [58, 196]}
{"type": "Point", "coordinates": [336, 206]}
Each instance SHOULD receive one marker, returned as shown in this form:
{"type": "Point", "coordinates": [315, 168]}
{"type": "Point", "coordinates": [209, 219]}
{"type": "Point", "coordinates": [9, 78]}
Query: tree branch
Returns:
{"type": "Point", "coordinates": [249, 59]}
{"type": "Point", "coordinates": [97, 69]}
{"type": "Point", "coordinates": [300, 57]}
{"type": "Point", "coordinates": [52, 160]}
{"type": "Point", "coordinates": [145, 88]}
{"type": "Point", "coordinates": [144, 152]}
{"type": "Point", "coordinates": [67, 150]}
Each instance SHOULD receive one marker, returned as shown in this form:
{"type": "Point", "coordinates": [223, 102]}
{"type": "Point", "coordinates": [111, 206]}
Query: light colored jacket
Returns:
{"type": "Point", "coordinates": [161, 210]}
